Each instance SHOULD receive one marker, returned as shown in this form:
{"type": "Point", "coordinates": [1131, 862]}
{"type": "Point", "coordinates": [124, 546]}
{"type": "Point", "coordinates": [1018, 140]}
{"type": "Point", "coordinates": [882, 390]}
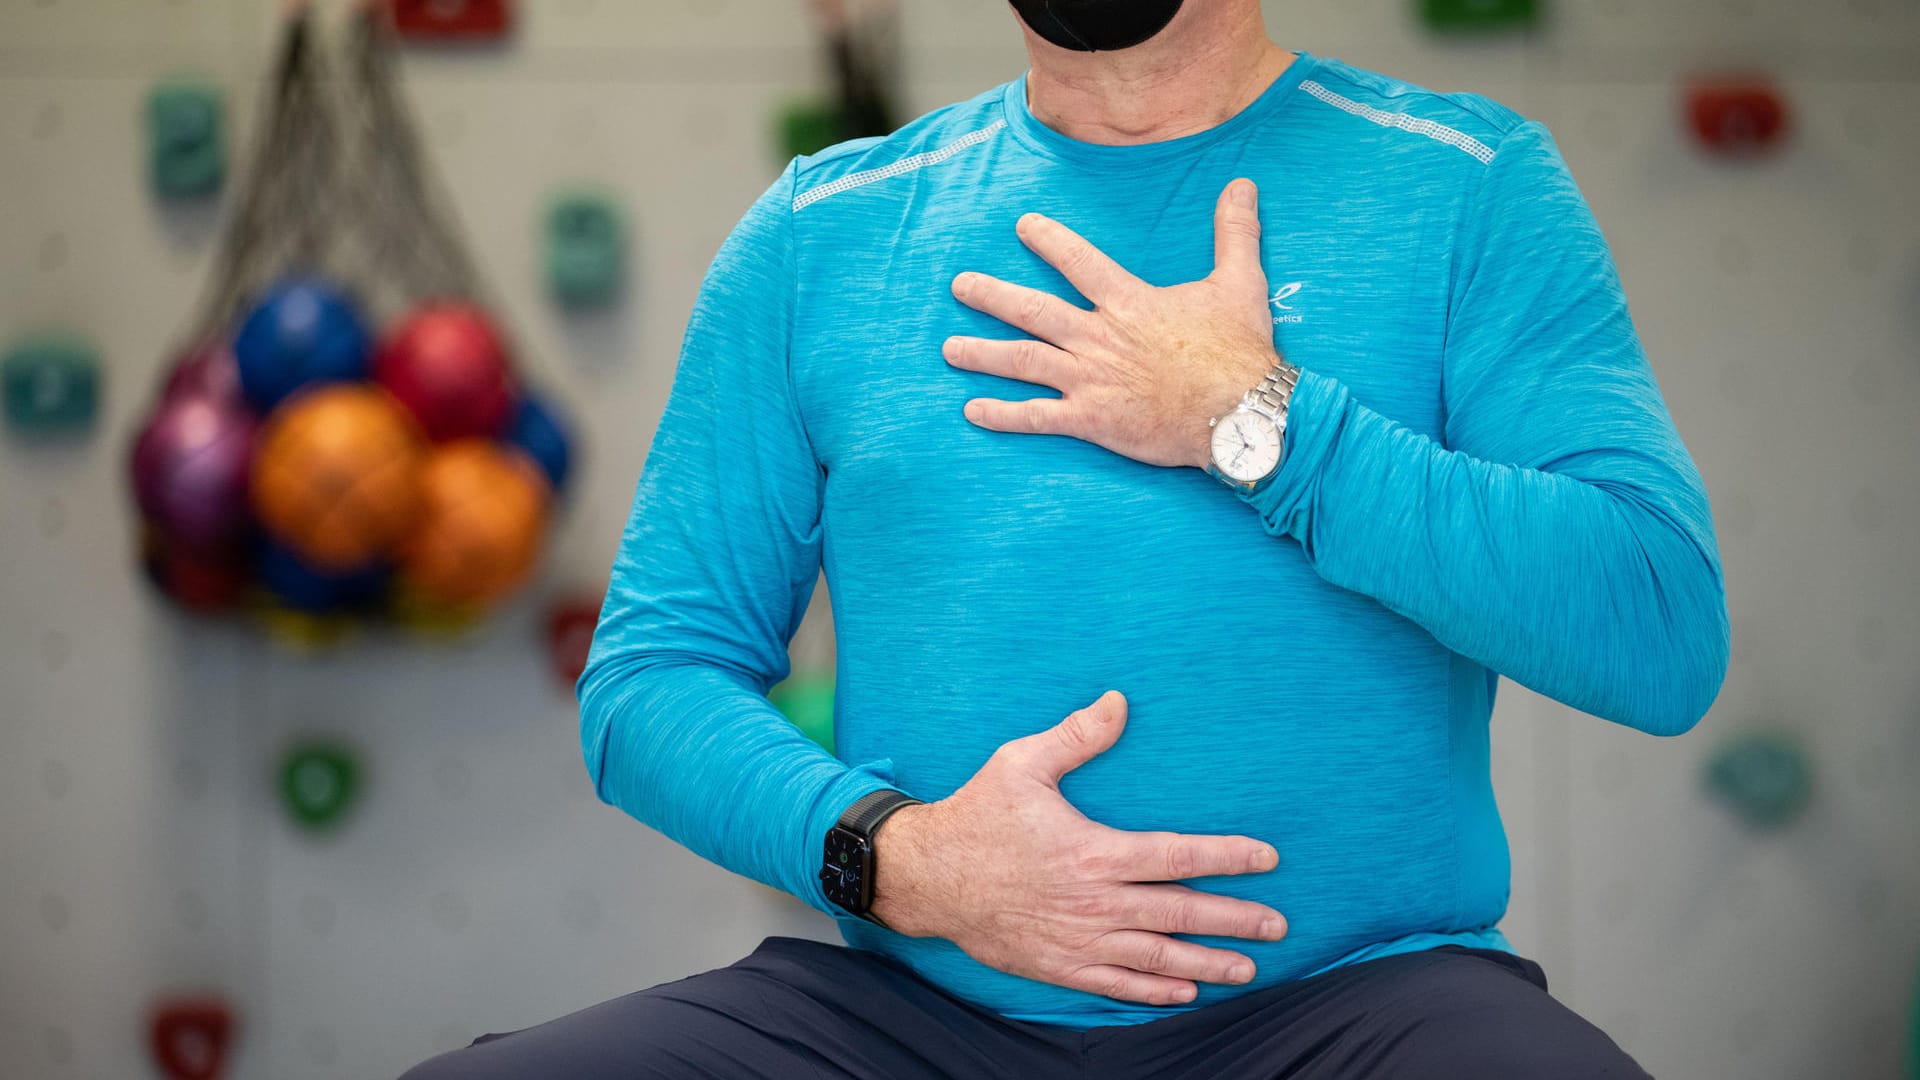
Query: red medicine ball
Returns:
{"type": "Point", "coordinates": [446, 364]}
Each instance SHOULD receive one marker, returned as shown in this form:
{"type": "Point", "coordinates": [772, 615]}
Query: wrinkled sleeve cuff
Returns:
{"type": "Point", "coordinates": [1284, 500]}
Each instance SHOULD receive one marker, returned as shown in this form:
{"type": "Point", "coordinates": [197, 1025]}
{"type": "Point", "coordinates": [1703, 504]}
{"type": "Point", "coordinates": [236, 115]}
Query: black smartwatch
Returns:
{"type": "Point", "coordinates": [846, 867]}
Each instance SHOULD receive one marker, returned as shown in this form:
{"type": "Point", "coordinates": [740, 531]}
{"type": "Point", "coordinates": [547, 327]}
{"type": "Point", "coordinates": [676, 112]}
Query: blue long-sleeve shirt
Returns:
{"type": "Point", "coordinates": [1481, 479]}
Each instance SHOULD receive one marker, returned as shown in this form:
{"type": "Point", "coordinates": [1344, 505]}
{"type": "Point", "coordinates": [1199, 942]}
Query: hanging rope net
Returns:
{"type": "Point", "coordinates": [349, 435]}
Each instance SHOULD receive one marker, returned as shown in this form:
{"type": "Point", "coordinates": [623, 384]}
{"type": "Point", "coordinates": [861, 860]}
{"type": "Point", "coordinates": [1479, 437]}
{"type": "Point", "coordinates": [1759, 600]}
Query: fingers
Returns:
{"type": "Point", "coordinates": [1166, 856]}
{"type": "Point", "coordinates": [1126, 984]}
{"type": "Point", "coordinates": [1041, 314]}
{"type": "Point", "coordinates": [1073, 742]}
{"type": "Point", "coordinates": [1035, 416]}
{"type": "Point", "coordinates": [1027, 360]}
{"type": "Point", "coordinates": [1236, 233]}
{"type": "Point", "coordinates": [1176, 909]}
{"type": "Point", "coordinates": [1158, 954]}
{"type": "Point", "coordinates": [1098, 277]}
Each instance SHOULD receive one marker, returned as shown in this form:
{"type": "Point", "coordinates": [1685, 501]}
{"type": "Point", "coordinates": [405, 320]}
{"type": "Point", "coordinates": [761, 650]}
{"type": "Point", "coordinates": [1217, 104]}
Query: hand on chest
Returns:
{"type": "Point", "coordinates": [874, 356]}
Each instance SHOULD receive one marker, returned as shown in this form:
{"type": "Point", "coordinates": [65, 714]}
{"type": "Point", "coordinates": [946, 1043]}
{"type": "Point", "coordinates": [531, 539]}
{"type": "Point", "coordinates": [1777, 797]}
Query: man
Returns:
{"type": "Point", "coordinates": [1263, 509]}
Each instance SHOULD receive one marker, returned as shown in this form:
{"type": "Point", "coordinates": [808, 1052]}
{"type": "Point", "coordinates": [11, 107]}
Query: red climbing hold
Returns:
{"type": "Point", "coordinates": [1737, 116]}
{"type": "Point", "coordinates": [570, 625]}
{"type": "Point", "coordinates": [190, 1037]}
{"type": "Point", "coordinates": [451, 18]}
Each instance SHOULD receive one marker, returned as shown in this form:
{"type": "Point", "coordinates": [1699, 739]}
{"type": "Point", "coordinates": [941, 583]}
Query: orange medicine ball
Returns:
{"type": "Point", "coordinates": [336, 476]}
{"type": "Point", "coordinates": [482, 517]}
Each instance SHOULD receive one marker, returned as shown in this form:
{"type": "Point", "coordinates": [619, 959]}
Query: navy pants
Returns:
{"type": "Point", "coordinates": [806, 1009]}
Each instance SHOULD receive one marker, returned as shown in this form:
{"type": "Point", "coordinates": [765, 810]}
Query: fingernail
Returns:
{"type": "Point", "coordinates": [949, 349]}
{"type": "Point", "coordinates": [971, 411]}
{"type": "Point", "coordinates": [1272, 928]}
{"type": "Point", "coordinates": [961, 281]}
{"type": "Point", "coordinates": [1266, 859]}
{"type": "Point", "coordinates": [1027, 221]}
{"type": "Point", "coordinates": [1241, 973]}
{"type": "Point", "coordinates": [1183, 993]}
{"type": "Point", "coordinates": [1242, 193]}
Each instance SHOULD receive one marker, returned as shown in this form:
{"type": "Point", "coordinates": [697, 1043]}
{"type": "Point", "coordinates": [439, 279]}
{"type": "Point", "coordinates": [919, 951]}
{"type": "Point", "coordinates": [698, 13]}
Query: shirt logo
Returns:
{"type": "Point", "coordinates": [1279, 301]}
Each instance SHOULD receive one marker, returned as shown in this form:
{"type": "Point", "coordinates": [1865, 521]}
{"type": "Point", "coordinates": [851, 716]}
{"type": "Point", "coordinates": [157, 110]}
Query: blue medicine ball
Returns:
{"type": "Point", "coordinates": [303, 331]}
{"type": "Point", "coordinates": [303, 587]}
{"type": "Point", "coordinates": [537, 430]}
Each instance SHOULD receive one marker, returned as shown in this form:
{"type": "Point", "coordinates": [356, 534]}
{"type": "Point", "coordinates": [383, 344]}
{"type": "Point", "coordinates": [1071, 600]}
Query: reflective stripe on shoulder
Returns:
{"type": "Point", "coordinates": [1438, 132]}
{"type": "Point", "coordinates": [904, 165]}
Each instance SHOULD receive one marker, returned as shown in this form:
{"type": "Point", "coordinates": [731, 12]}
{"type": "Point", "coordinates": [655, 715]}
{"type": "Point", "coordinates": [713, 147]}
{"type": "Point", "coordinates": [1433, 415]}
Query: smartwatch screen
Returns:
{"type": "Point", "coordinates": [843, 870]}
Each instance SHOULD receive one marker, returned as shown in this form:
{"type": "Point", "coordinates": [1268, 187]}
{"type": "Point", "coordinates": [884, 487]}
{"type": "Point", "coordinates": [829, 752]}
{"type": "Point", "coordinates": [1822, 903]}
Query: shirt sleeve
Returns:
{"type": "Point", "coordinates": [715, 569]}
{"type": "Point", "coordinates": [1559, 534]}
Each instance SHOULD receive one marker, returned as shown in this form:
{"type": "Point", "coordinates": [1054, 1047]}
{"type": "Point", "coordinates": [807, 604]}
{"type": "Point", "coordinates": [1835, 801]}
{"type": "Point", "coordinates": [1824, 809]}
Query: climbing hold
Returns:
{"type": "Point", "coordinates": [460, 19]}
{"type": "Point", "coordinates": [571, 621]}
{"type": "Point", "coordinates": [52, 384]}
{"type": "Point", "coordinates": [186, 148]}
{"type": "Point", "coordinates": [807, 700]}
{"type": "Point", "coordinates": [1763, 777]}
{"type": "Point", "coordinates": [1913, 1047]}
{"type": "Point", "coordinates": [1736, 116]}
{"type": "Point", "coordinates": [1451, 15]}
{"type": "Point", "coordinates": [586, 250]}
{"type": "Point", "coordinates": [189, 1037]}
{"type": "Point", "coordinates": [318, 782]}
{"type": "Point", "coordinates": [808, 127]}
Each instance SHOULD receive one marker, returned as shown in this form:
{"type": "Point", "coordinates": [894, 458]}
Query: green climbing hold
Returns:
{"type": "Point", "coordinates": [1450, 15]}
{"type": "Point", "coordinates": [808, 127]}
{"type": "Point", "coordinates": [52, 384]}
{"type": "Point", "coordinates": [1764, 777]}
{"type": "Point", "coordinates": [807, 700]}
{"type": "Point", "coordinates": [1913, 1050]}
{"type": "Point", "coordinates": [318, 782]}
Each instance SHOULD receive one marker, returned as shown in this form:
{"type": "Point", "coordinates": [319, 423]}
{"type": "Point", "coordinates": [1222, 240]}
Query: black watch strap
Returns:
{"type": "Point", "coordinates": [865, 815]}
{"type": "Point", "coordinates": [856, 827]}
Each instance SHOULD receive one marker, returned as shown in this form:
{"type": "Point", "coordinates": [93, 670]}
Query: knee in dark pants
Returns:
{"type": "Point", "coordinates": [634, 1037]}
{"type": "Point", "coordinates": [467, 1063]}
{"type": "Point", "coordinates": [445, 1066]}
{"type": "Point", "coordinates": [1480, 1018]}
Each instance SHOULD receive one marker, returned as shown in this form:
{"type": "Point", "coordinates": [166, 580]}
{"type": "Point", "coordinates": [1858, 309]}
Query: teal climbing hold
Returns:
{"type": "Point", "coordinates": [586, 250]}
{"type": "Point", "coordinates": [52, 384]}
{"type": "Point", "coordinates": [186, 144]}
{"type": "Point", "coordinates": [807, 700]}
{"type": "Point", "coordinates": [318, 784]}
{"type": "Point", "coordinates": [1764, 777]}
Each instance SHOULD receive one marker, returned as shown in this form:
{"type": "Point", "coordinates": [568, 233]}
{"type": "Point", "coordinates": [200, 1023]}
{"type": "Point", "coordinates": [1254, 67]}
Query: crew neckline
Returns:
{"type": "Point", "coordinates": [1045, 140]}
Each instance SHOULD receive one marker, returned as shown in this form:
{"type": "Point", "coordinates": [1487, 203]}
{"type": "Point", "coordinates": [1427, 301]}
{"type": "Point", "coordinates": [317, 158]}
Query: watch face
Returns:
{"type": "Point", "coordinates": [843, 870]}
{"type": "Point", "coordinates": [1246, 445]}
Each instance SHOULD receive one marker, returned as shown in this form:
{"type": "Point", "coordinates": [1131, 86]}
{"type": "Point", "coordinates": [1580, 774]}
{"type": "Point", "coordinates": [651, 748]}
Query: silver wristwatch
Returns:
{"type": "Point", "coordinates": [1250, 440]}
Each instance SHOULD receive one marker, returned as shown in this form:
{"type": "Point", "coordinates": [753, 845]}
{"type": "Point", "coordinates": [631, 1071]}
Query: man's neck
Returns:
{"type": "Point", "coordinates": [1206, 66]}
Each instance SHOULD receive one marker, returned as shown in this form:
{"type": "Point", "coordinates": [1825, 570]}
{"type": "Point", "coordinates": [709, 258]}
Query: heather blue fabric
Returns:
{"type": "Point", "coordinates": [1481, 479]}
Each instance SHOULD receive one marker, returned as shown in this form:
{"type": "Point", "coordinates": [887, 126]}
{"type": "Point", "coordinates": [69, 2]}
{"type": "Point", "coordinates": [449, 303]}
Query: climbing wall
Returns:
{"type": "Point", "coordinates": [479, 886]}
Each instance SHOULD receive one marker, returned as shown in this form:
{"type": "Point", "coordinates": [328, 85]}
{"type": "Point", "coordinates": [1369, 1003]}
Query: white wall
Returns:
{"type": "Point", "coordinates": [483, 888]}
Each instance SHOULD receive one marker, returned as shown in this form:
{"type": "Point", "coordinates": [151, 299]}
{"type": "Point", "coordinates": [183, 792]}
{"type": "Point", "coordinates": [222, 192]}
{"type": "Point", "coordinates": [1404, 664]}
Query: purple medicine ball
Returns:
{"type": "Point", "coordinates": [207, 371]}
{"type": "Point", "coordinates": [190, 470]}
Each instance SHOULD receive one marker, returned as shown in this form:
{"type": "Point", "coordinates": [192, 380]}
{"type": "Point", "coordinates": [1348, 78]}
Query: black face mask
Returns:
{"type": "Point", "coordinates": [1097, 25]}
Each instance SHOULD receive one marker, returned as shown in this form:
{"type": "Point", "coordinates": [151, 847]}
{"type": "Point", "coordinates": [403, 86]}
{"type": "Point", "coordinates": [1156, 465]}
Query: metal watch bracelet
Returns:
{"type": "Point", "coordinates": [1275, 391]}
